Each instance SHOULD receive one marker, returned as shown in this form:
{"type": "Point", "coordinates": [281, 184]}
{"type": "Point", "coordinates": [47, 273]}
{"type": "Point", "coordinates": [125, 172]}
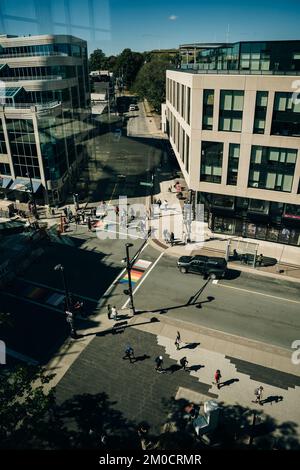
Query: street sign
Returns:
{"type": "Point", "coordinates": [143, 183]}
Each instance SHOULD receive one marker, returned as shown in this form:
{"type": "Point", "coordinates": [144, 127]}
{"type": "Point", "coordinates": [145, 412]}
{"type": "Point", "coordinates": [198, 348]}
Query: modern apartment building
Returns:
{"type": "Point", "coordinates": [44, 115]}
{"type": "Point", "coordinates": [234, 124]}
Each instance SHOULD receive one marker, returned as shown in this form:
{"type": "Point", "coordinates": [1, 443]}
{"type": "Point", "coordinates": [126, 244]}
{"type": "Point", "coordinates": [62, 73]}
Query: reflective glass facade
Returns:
{"type": "Point", "coordinates": [252, 56]}
{"type": "Point", "coordinates": [211, 161]}
{"type": "Point", "coordinates": [231, 110]}
{"type": "Point", "coordinates": [23, 147]}
{"type": "Point", "coordinates": [286, 115]}
{"type": "Point", "coordinates": [272, 168]}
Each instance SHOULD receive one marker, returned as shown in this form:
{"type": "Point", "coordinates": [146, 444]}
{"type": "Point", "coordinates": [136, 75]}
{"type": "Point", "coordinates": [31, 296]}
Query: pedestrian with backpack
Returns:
{"type": "Point", "coordinates": [129, 354]}
{"type": "Point", "coordinates": [159, 362]}
{"type": "Point", "coordinates": [184, 362]}
{"type": "Point", "coordinates": [258, 392]}
{"type": "Point", "coordinates": [177, 341]}
{"type": "Point", "coordinates": [217, 378]}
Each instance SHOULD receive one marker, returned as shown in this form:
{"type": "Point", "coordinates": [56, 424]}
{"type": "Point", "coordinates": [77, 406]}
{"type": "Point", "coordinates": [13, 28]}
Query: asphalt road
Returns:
{"type": "Point", "coordinates": [255, 307]}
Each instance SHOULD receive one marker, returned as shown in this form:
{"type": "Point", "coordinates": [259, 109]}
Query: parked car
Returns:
{"type": "Point", "coordinates": [133, 107]}
{"type": "Point", "coordinates": [205, 265]}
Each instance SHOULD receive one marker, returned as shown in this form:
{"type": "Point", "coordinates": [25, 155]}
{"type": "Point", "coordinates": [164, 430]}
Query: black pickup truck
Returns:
{"type": "Point", "coordinates": [205, 265]}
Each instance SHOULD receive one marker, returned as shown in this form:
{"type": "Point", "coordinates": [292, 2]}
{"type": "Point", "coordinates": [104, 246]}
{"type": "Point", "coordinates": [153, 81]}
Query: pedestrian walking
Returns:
{"type": "Point", "coordinates": [117, 210]}
{"type": "Point", "coordinates": [65, 209]}
{"type": "Point", "coordinates": [184, 362]}
{"type": "Point", "coordinates": [82, 216]}
{"type": "Point", "coordinates": [109, 311]}
{"type": "Point", "coordinates": [177, 341]}
{"type": "Point", "coordinates": [89, 223]}
{"type": "Point", "coordinates": [165, 205]}
{"type": "Point", "coordinates": [94, 211]}
{"type": "Point", "coordinates": [172, 238]}
{"type": "Point", "coordinates": [158, 202]}
{"type": "Point", "coordinates": [166, 235]}
{"type": "Point", "coordinates": [77, 219]}
{"type": "Point", "coordinates": [129, 354]}
{"type": "Point", "coordinates": [114, 313]}
{"type": "Point", "coordinates": [258, 392]}
{"type": "Point", "coordinates": [159, 362]}
{"type": "Point", "coordinates": [260, 259]}
{"type": "Point", "coordinates": [217, 378]}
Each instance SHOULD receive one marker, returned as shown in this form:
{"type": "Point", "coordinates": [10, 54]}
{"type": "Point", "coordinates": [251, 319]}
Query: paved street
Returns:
{"type": "Point", "coordinates": [255, 308]}
{"type": "Point", "coordinates": [263, 309]}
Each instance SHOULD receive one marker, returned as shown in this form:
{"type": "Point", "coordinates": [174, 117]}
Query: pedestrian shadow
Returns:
{"type": "Point", "coordinates": [173, 368]}
{"type": "Point", "coordinates": [228, 382]}
{"type": "Point", "coordinates": [190, 346]}
{"type": "Point", "coordinates": [195, 368]}
{"type": "Point", "coordinates": [271, 399]}
{"type": "Point", "coordinates": [142, 358]}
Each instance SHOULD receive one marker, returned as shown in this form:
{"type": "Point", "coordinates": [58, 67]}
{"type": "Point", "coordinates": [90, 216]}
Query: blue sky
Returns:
{"type": "Point", "coordinates": [112, 25]}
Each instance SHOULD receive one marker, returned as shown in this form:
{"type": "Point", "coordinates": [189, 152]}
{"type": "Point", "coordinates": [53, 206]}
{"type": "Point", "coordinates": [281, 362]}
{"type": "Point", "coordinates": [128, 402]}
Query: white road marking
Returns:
{"type": "Point", "coordinates": [144, 278]}
{"type": "Point", "coordinates": [103, 298]}
{"type": "Point", "coordinates": [260, 293]}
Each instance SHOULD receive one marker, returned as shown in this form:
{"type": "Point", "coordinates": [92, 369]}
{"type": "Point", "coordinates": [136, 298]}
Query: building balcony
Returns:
{"type": "Point", "coordinates": [195, 68]}
{"type": "Point", "coordinates": [31, 77]}
{"type": "Point", "coordinates": [37, 106]}
{"type": "Point", "coordinates": [33, 54]}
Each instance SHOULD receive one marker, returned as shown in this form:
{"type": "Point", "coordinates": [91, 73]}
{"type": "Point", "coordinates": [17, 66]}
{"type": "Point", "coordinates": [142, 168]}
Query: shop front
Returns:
{"type": "Point", "coordinates": [253, 218]}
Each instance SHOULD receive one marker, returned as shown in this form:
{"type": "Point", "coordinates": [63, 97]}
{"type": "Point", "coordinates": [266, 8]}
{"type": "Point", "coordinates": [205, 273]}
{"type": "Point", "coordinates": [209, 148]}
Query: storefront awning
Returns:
{"type": "Point", "coordinates": [24, 185]}
{"type": "Point", "coordinates": [5, 182]}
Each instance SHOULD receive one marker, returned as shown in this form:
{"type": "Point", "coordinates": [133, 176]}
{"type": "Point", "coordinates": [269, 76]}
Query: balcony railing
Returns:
{"type": "Point", "coordinates": [194, 68]}
{"type": "Point", "coordinates": [38, 106]}
{"type": "Point", "coordinates": [33, 54]}
{"type": "Point", "coordinates": [31, 77]}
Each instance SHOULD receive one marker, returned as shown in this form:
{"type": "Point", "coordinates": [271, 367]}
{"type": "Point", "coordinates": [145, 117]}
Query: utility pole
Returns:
{"type": "Point", "coordinates": [32, 194]}
{"type": "Point", "coordinates": [129, 267]}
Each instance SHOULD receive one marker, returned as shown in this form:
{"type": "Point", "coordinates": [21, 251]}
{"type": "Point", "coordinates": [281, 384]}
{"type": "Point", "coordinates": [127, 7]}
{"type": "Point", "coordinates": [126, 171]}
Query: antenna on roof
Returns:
{"type": "Point", "coordinates": [227, 34]}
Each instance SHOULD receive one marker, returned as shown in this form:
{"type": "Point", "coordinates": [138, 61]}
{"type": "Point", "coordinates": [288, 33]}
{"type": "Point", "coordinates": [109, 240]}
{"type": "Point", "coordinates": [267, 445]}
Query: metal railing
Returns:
{"type": "Point", "coordinates": [191, 68]}
{"type": "Point", "coordinates": [47, 105]}
{"type": "Point", "coordinates": [31, 77]}
{"type": "Point", "coordinates": [33, 54]}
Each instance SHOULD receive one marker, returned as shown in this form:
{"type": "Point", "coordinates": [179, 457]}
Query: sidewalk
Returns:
{"type": "Point", "coordinates": [244, 365]}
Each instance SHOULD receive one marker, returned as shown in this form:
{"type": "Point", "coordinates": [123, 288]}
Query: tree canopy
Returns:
{"type": "Point", "coordinates": [151, 82]}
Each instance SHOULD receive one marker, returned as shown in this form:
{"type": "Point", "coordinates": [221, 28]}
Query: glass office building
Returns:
{"type": "Point", "coordinates": [44, 115]}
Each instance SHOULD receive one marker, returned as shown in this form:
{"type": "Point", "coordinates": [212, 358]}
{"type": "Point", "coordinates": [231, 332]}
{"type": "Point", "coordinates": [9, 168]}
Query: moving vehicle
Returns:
{"type": "Point", "coordinates": [133, 107]}
{"type": "Point", "coordinates": [205, 265]}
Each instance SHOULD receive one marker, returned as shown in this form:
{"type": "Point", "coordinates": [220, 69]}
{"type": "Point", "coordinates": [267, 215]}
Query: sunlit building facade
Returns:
{"type": "Point", "coordinates": [233, 119]}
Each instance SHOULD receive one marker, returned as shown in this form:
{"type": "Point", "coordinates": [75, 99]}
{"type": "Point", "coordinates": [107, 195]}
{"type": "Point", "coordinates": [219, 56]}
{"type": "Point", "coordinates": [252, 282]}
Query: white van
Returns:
{"type": "Point", "coordinates": [132, 107]}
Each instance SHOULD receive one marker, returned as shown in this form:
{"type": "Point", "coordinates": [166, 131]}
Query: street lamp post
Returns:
{"type": "Point", "coordinates": [128, 267]}
{"type": "Point", "coordinates": [32, 193]}
{"type": "Point", "coordinates": [68, 306]}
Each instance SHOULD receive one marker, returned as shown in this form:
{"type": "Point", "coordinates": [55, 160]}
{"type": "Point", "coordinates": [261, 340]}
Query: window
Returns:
{"type": "Point", "coordinates": [286, 115]}
{"type": "Point", "coordinates": [187, 154]}
{"type": "Point", "coordinates": [272, 168]}
{"type": "Point", "coordinates": [260, 112]}
{"type": "Point", "coordinates": [211, 162]}
{"type": "Point", "coordinates": [231, 111]}
{"type": "Point", "coordinates": [188, 116]}
{"type": "Point", "coordinates": [233, 164]}
{"type": "Point", "coordinates": [208, 108]}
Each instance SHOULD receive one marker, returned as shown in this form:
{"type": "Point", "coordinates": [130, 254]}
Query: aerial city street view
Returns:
{"type": "Point", "coordinates": [149, 227]}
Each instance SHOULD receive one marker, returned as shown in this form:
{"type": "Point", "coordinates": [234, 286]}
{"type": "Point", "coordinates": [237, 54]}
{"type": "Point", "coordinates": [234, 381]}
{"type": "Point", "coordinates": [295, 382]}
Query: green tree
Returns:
{"type": "Point", "coordinates": [97, 60]}
{"type": "Point", "coordinates": [23, 408]}
{"type": "Point", "coordinates": [151, 82]}
{"type": "Point", "coordinates": [127, 65]}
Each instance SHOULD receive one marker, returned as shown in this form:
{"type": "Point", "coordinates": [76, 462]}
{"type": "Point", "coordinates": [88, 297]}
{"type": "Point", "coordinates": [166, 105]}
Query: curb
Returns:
{"type": "Point", "coordinates": [160, 246]}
